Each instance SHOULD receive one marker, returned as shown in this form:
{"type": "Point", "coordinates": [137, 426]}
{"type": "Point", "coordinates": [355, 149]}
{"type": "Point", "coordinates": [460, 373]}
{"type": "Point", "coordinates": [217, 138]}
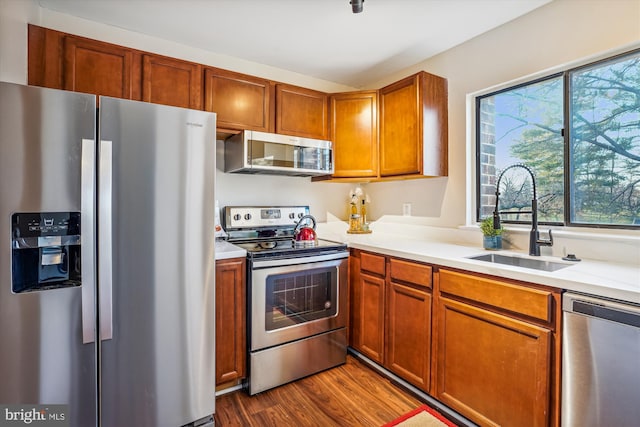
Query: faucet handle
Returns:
{"type": "Point", "coordinates": [548, 242]}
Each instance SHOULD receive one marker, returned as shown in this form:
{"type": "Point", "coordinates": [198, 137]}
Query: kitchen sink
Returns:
{"type": "Point", "coordinates": [518, 261]}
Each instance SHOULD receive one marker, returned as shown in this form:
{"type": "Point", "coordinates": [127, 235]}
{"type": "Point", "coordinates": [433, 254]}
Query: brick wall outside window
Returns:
{"type": "Point", "coordinates": [487, 158]}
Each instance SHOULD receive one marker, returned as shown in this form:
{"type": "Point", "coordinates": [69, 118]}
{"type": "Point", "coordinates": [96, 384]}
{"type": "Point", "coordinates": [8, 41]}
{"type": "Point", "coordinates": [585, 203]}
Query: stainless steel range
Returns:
{"type": "Point", "coordinates": [297, 295]}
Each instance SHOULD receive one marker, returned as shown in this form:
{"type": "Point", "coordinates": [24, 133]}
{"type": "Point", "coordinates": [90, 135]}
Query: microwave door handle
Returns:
{"type": "Point", "coordinates": [105, 242]}
{"type": "Point", "coordinates": [87, 241]}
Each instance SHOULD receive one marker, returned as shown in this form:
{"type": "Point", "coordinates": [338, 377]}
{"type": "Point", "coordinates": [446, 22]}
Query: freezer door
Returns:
{"type": "Point", "coordinates": [156, 263]}
{"type": "Point", "coordinates": [42, 356]}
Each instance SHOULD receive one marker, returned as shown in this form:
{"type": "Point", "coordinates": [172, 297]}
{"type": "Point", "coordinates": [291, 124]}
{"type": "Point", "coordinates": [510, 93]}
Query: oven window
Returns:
{"type": "Point", "coordinates": [300, 297]}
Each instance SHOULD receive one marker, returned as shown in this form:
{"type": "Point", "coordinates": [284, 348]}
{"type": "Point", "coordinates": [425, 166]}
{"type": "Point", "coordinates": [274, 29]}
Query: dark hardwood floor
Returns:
{"type": "Point", "coordinates": [350, 395]}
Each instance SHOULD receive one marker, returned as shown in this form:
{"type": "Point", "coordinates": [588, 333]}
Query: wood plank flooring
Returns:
{"type": "Point", "coordinates": [350, 395]}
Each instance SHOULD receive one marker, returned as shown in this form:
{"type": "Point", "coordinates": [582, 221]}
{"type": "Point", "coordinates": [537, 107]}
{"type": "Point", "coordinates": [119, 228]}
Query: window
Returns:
{"type": "Point", "coordinates": [578, 132]}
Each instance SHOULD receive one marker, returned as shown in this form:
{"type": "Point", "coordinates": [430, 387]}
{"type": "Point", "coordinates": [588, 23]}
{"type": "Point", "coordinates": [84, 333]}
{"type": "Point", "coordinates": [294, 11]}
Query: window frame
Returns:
{"type": "Point", "coordinates": [564, 73]}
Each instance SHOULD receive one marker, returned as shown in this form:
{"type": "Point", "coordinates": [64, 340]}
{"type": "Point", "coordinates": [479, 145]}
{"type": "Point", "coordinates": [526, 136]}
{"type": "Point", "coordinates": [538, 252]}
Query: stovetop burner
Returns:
{"type": "Point", "coordinates": [287, 247]}
{"type": "Point", "coordinates": [267, 245]}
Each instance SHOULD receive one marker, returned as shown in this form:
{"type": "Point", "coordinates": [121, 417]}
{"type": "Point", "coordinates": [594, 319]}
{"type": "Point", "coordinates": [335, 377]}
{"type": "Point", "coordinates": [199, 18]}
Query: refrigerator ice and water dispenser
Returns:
{"type": "Point", "coordinates": [45, 251]}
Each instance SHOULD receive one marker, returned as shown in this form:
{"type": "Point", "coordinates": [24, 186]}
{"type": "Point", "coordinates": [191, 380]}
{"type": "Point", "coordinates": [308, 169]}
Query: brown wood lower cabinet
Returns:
{"type": "Point", "coordinates": [491, 368]}
{"type": "Point", "coordinates": [408, 342]}
{"type": "Point", "coordinates": [496, 365]}
{"type": "Point", "coordinates": [372, 306]}
{"type": "Point", "coordinates": [391, 314]}
{"type": "Point", "coordinates": [230, 320]}
{"type": "Point", "coordinates": [495, 352]}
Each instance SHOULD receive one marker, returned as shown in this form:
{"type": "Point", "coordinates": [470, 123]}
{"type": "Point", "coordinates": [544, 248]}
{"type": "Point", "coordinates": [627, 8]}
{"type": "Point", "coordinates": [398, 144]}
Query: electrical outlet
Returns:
{"type": "Point", "coordinates": [406, 209]}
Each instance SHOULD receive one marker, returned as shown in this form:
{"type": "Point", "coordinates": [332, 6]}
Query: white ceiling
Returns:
{"type": "Point", "coordinates": [318, 38]}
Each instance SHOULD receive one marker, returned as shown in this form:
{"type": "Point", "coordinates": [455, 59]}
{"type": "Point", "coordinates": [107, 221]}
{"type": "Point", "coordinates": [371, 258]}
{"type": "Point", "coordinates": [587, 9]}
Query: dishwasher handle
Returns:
{"type": "Point", "coordinates": [602, 309]}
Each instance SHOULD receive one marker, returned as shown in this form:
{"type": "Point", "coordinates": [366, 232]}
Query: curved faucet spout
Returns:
{"type": "Point", "coordinates": [516, 165]}
{"type": "Point", "coordinates": [534, 236]}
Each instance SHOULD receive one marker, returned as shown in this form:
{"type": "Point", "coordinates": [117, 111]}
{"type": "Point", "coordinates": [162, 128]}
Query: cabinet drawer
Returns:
{"type": "Point", "coordinates": [372, 263]}
{"type": "Point", "coordinates": [410, 272]}
{"type": "Point", "coordinates": [535, 303]}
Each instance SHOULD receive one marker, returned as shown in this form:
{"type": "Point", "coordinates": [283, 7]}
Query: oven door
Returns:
{"type": "Point", "coordinates": [297, 298]}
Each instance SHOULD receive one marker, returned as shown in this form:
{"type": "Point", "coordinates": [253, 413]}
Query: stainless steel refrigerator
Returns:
{"type": "Point", "coordinates": [106, 258]}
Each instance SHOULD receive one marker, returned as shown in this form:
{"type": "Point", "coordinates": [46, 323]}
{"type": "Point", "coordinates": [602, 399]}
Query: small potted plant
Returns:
{"type": "Point", "coordinates": [492, 237]}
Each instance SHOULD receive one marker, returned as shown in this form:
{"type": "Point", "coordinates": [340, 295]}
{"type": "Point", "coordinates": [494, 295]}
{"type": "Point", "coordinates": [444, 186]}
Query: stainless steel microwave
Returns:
{"type": "Point", "coordinates": [256, 152]}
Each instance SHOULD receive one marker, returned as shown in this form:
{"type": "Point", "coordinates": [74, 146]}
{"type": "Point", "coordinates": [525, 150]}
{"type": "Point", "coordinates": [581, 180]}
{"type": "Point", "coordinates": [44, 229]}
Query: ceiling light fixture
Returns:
{"type": "Point", "coordinates": [356, 5]}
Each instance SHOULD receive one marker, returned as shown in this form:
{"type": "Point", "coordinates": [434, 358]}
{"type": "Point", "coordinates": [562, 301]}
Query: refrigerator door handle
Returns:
{"type": "Point", "coordinates": [105, 246]}
{"type": "Point", "coordinates": [87, 243]}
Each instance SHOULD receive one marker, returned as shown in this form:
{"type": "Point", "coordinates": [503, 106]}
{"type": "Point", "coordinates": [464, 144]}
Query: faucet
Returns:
{"type": "Point", "coordinates": [534, 236]}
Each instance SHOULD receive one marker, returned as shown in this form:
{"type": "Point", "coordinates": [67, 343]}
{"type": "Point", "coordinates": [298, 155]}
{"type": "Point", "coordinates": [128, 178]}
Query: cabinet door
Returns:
{"type": "Point", "coordinates": [408, 335]}
{"type": "Point", "coordinates": [354, 132]}
{"type": "Point", "coordinates": [434, 132]}
{"type": "Point", "coordinates": [240, 101]}
{"type": "Point", "coordinates": [171, 81]}
{"type": "Point", "coordinates": [491, 368]}
{"type": "Point", "coordinates": [353, 331]}
{"type": "Point", "coordinates": [371, 317]}
{"type": "Point", "coordinates": [301, 112]}
{"type": "Point", "coordinates": [400, 123]}
{"type": "Point", "coordinates": [230, 320]}
{"type": "Point", "coordinates": [99, 68]}
{"type": "Point", "coordinates": [414, 127]}
{"type": "Point", "coordinates": [44, 64]}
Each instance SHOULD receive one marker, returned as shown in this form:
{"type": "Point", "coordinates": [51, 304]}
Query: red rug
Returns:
{"type": "Point", "coordinates": [421, 416]}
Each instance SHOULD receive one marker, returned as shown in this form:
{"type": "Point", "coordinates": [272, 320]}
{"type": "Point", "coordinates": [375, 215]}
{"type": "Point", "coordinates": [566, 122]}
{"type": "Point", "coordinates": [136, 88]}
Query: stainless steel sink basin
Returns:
{"type": "Point", "coordinates": [517, 261]}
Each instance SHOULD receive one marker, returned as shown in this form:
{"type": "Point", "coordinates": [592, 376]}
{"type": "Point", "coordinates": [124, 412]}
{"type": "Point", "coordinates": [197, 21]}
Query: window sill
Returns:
{"type": "Point", "coordinates": [592, 234]}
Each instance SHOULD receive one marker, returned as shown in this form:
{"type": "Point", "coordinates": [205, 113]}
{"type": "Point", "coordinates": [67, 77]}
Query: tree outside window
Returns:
{"type": "Point", "coordinates": [605, 142]}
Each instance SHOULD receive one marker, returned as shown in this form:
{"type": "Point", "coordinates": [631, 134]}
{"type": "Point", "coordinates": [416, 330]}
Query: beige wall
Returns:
{"type": "Point", "coordinates": [13, 38]}
{"type": "Point", "coordinates": [560, 32]}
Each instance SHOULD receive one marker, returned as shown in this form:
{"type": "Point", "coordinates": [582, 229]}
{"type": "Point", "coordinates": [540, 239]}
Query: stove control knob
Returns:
{"type": "Point", "coordinates": [292, 215]}
{"type": "Point", "coordinates": [247, 216]}
{"type": "Point", "coordinates": [237, 217]}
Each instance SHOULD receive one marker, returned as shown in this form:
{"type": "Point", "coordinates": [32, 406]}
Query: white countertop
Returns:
{"type": "Point", "coordinates": [607, 279]}
{"type": "Point", "coordinates": [226, 250]}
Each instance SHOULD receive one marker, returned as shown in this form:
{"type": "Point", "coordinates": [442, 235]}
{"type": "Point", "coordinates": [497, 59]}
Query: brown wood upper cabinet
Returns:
{"type": "Point", "coordinates": [63, 61]}
{"type": "Point", "coordinates": [171, 81]}
{"type": "Point", "coordinates": [354, 132]}
{"type": "Point", "coordinates": [239, 100]}
{"type": "Point", "coordinates": [301, 112]}
{"type": "Point", "coordinates": [99, 68]}
{"type": "Point", "coordinates": [397, 132]}
{"type": "Point", "coordinates": [414, 127]}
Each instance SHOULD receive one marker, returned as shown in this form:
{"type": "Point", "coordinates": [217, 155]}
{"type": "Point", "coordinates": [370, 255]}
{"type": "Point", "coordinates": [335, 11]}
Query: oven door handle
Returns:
{"type": "Point", "coordinates": [279, 262]}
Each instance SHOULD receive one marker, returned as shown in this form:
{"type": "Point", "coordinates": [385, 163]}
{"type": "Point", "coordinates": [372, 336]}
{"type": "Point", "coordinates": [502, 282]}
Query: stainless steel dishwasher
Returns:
{"type": "Point", "coordinates": [601, 362]}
